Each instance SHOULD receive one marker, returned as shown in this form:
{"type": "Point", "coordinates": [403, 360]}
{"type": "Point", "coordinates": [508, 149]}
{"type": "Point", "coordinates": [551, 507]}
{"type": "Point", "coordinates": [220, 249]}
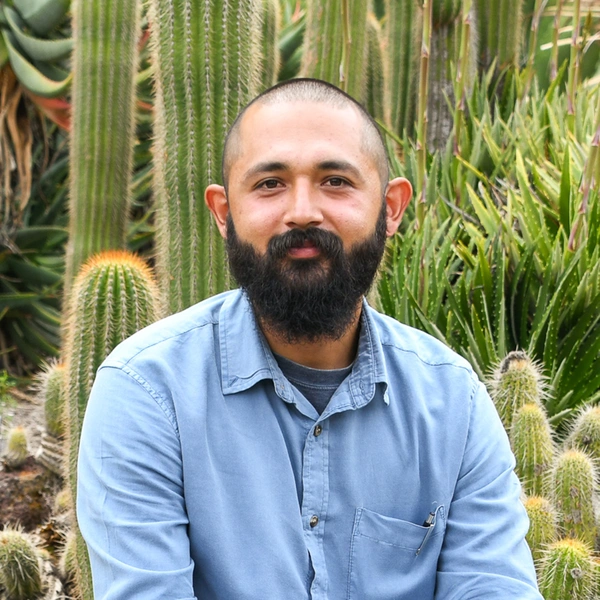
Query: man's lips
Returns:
{"type": "Point", "coordinates": [307, 250]}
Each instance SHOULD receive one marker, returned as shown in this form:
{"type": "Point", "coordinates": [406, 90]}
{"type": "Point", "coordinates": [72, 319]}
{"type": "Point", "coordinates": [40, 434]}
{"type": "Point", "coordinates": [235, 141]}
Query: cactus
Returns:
{"type": "Point", "coordinates": [573, 483]}
{"type": "Point", "coordinates": [271, 25]}
{"type": "Point", "coordinates": [335, 44]}
{"type": "Point", "coordinates": [102, 134]}
{"type": "Point", "coordinates": [568, 571]}
{"type": "Point", "coordinates": [543, 521]}
{"type": "Point", "coordinates": [113, 296]}
{"type": "Point", "coordinates": [403, 41]}
{"type": "Point", "coordinates": [68, 558]}
{"type": "Point", "coordinates": [49, 389]}
{"type": "Point", "coordinates": [517, 381]}
{"type": "Point", "coordinates": [206, 69]}
{"type": "Point", "coordinates": [17, 449]}
{"type": "Point", "coordinates": [531, 441]}
{"type": "Point", "coordinates": [375, 98]}
{"type": "Point", "coordinates": [500, 25]}
{"type": "Point", "coordinates": [585, 432]}
{"type": "Point", "coordinates": [20, 565]}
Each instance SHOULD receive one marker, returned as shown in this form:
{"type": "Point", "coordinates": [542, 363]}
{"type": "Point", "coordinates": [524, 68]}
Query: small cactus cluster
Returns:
{"type": "Point", "coordinates": [20, 565]}
{"type": "Point", "coordinates": [560, 483]}
{"type": "Point", "coordinates": [17, 448]}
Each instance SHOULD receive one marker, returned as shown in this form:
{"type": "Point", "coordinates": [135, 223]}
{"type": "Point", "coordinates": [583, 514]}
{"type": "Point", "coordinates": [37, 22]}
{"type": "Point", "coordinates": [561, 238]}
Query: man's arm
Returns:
{"type": "Point", "coordinates": [484, 553]}
{"type": "Point", "coordinates": [130, 504]}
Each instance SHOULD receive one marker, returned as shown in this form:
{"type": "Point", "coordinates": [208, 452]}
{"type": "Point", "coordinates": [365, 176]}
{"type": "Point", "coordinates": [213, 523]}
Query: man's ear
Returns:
{"type": "Point", "coordinates": [216, 200]}
{"type": "Point", "coordinates": [397, 197]}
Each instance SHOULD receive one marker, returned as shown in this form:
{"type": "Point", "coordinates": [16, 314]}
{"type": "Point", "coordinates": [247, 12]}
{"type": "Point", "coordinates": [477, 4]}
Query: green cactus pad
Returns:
{"type": "Point", "coordinates": [568, 571]}
{"type": "Point", "coordinates": [19, 565]}
{"type": "Point", "coordinates": [542, 524]}
{"type": "Point", "coordinates": [573, 482]}
{"type": "Point", "coordinates": [533, 447]}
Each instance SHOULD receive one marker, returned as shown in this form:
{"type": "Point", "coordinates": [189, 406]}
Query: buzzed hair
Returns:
{"type": "Point", "coordinates": [309, 90]}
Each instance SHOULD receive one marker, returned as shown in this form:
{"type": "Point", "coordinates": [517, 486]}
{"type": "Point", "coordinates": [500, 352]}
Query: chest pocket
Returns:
{"type": "Point", "coordinates": [391, 559]}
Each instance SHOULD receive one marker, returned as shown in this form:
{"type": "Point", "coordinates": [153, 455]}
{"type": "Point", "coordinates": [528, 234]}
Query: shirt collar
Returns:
{"type": "Point", "coordinates": [246, 357]}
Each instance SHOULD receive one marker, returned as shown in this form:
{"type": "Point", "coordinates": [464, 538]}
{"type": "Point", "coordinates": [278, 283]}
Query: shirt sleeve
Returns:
{"type": "Point", "coordinates": [130, 505]}
{"type": "Point", "coordinates": [485, 554]}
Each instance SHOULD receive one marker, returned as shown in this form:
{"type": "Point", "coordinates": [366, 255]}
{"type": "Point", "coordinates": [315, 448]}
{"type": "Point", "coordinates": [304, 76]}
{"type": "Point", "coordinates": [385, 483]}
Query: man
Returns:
{"type": "Point", "coordinates": [287, 441]}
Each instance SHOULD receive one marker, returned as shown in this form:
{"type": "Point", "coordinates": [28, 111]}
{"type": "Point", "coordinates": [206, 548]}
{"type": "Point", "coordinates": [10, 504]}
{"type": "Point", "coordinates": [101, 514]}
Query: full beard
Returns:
{"type": "Point", "coordinates": [306, 300]}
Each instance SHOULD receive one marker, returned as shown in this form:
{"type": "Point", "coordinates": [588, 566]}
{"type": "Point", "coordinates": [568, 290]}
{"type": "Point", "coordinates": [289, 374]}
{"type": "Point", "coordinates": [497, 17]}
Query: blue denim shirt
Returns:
{"type": "Point", "coordinates": [204, 474]}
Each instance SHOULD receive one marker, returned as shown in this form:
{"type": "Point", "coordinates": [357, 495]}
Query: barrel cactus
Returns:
{"type": "Point", "coordinates": [543, 521]}
{"type": "Point", "coordinates": [20, 565]}
{"type": "Point", "coordinates": [568, 571]}
{"type": "Point", "coordinates": [533, 447]}
{"type": "Point", "coordinates": [206, 62]}
{"type": "Point", "coordinates": [573, 483]}
{"type": "Point", "coordinates": [516, 381]}
{"type": "Point", "coordinates": [585, 432]}
{"type": "Point", "coordinates": [113, 296]}
{"type": "Point", "coordinates": [17, 448]}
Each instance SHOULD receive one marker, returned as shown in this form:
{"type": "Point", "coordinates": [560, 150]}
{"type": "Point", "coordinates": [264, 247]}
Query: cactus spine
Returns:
{"type": "Point", "coordinates": [112, 297]}
{"type": "Point", "coordinates": [542, 524]}
{"type": "Point", "coordinates": [403, 41]}
{"type": "Point", "coordinates": [17, 449]}
{"type": "Point", "coordinates": [102, 135]}
{"type": "Point", "coordinates": [531, 441]}
{"type": "Point", "coordinates": [517, 381]}
{"type": "Point", "coordinates": [585, 432]}
{"type": "Point", "coordinates": [206, 69]}
{"type": "Point", "coordinates": [335, 44]}
{"type": "Point", "coordinates": [573, 485]}
{"type": "Point", "coordinates": [568, 571]}
{"type": "Point", "coordinates": [271, 25]}
{"type": "Point", "coordinates": [20, 571]}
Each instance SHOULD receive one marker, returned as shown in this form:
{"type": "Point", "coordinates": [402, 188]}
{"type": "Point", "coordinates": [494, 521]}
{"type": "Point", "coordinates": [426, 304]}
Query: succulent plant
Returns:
{"type": "Point", "coordinates": [585, 432]}
{"type": "Point", "coordinates": [573, 482]}
{"type": "Point", "coordinates": [271, 25]}
{"type": "Point", "coordinates": [543, 520]}
{"type": "Point", "coordinates": [20, 565]}
{"type": "Point", "coordinates": [376, 98]}
{"type": "Point", "coordinates": [516, 381]}
{"type": "Point", "coordinates": [17, 447]}
{"type": "Point", "coordinates": [533, 447]}
{"type": "Point", "coordinates": [568, 571]}
{"type": "Point", "coordinates": [49, 389]}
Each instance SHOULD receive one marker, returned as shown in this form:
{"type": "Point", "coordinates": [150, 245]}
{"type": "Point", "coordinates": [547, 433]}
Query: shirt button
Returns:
{"type": "Point", "coordinates": [317, 431]}
{"type": "Point", "coordinates": [314, 521]}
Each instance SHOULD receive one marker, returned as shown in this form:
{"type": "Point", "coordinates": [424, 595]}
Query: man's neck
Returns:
{"type": "Point", "coordinates": [320, 354]}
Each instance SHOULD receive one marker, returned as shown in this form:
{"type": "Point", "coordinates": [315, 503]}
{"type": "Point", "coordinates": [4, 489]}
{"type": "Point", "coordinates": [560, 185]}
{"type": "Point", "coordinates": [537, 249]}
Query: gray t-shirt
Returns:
{"type": "Point", "coordinates": [316, 385]}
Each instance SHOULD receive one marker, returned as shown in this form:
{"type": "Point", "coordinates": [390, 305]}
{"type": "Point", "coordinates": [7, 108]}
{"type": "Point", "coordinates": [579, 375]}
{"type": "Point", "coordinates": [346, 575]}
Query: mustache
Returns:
{"type": "Point", "coordinates": [329, 244]}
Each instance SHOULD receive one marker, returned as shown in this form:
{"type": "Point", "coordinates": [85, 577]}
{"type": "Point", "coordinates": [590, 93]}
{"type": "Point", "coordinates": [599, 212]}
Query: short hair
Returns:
{"type": "Point", "coordinates": [309, 90]}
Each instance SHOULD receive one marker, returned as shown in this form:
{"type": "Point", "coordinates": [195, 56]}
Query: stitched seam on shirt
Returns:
{"type": "Point", "coordinates": [151, 392]}
{"type": "Point", "coordinates": [431, 364]}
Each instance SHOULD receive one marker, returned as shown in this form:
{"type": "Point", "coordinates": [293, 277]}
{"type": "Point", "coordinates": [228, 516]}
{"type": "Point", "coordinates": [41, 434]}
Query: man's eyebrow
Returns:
{"type": "Point", "coordinates": [265, 167]}
{"type": "Point", "coordinates": [340, 166]}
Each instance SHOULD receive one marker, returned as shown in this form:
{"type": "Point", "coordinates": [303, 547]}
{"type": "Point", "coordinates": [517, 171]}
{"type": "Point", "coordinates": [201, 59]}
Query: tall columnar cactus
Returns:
{"type": "Point", "coordinates": [403, 26]}
{"type": "Point", "coordinates": [20, 565]}
{"type": "Point", "coordinates": [375, 99]}
{"type": "Point", "coordinates": [533, 447]}
{"type": "Point", "coordinates": [335, 44]}
{"type": "Point", "coordinates": [271, 25]}
{"type": "Point", "coordinates": [113, 296]}
{"type": "Point", "coordinates": [102, 133]}
{"type": "Point", "coordinates": [206, 66]}
{"type": "Point", "coordinates": [500, 24]}
{"type": "Point", "coordinates": [568, 571]}
{"type": "Point", "coordinates": [517, 381]}
{"type": "Point", "coordinates": [542, 524]}
{"type": "Point", "coordinates": [585, 432]}
{"type": "Point", "coordinates": [17, 448]}
{"type": "Point", "coordinates": [50, 391]}
{"type": "Point", "coordinates": [573, 485]}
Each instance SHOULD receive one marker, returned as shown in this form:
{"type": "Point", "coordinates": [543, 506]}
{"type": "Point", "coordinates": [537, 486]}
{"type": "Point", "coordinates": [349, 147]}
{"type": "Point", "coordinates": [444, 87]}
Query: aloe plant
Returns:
{"type": "Point", "coordinates": [113, 296]}
{"type": "Point", "coordinates": [335, 44]}
{"type": "Point", "coordinates": [102, 135]}
{"type": "Point", "coordinates": [206, 69]}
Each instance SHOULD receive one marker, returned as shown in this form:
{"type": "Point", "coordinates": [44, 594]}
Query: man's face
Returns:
{"type": "Point", "coordinates": [305, 217]}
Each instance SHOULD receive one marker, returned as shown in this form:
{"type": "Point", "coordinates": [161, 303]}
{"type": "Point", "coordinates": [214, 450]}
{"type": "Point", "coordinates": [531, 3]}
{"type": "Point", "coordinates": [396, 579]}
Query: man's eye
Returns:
{"type": "Point", "coordinates": [269, 184]}
{"type": "Point", "coordinates": [336, 181]}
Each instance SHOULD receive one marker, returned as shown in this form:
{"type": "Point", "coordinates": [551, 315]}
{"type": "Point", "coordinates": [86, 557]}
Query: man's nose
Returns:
{"type": "Point", "coordinates": [303, 209]}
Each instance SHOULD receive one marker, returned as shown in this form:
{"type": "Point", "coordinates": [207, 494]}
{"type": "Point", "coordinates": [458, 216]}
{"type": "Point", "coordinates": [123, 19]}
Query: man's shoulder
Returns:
{"type": "Point", "coordinates": [188, 324]}
{"type": "Point", "coordinates": [403, 340]}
